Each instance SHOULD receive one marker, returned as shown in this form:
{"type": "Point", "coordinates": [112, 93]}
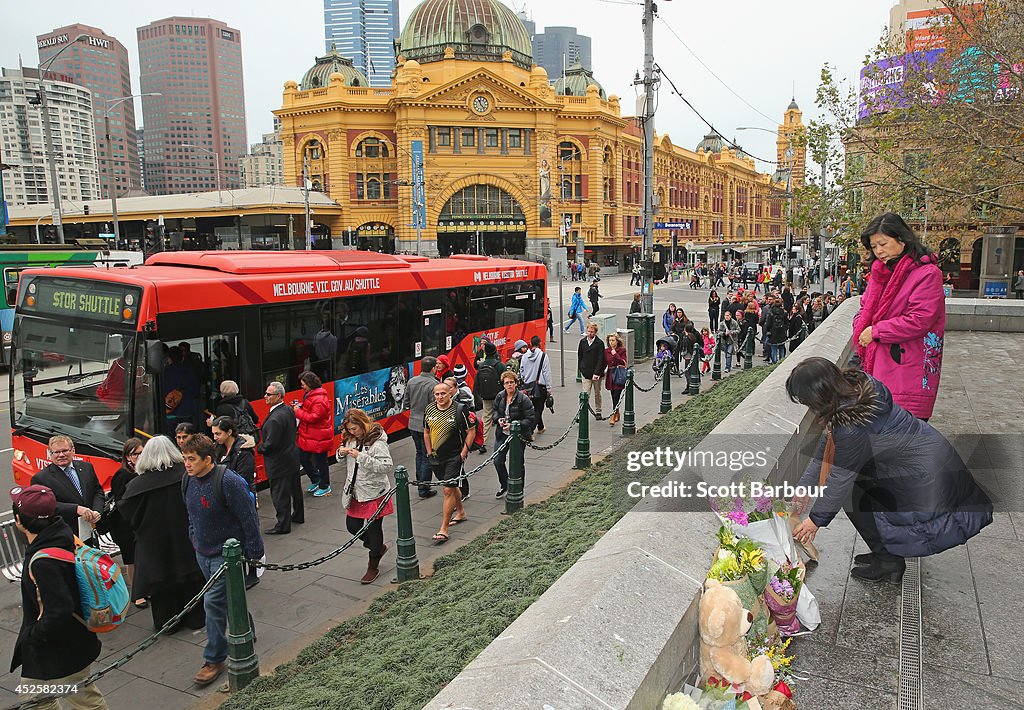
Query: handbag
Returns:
{"type": "Point", "coordinates": [619, 376]}
{"type": "Point", "coordinates": [105, 525]}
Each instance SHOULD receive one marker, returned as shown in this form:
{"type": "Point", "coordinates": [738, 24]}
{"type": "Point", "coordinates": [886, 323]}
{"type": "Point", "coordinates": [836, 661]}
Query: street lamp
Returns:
{"type": "Point", "coordinates": [111, 103]}
{"type": "Point", "coordinates": [789, 153]}
{"type": "Point", "coordinates": [48, 137]}
{"type": "Point", "coordinates": [216, 159]}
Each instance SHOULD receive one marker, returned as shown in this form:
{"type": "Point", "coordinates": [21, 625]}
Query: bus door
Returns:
{"type": "Point", "coordinates": [191, 382]}
{"type": "Point", "coordinates": [432, 336]}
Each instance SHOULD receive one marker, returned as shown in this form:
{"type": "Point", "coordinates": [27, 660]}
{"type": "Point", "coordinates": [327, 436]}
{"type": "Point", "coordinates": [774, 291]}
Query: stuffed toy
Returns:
{"type": "Point", "coordinates": [723, 649]}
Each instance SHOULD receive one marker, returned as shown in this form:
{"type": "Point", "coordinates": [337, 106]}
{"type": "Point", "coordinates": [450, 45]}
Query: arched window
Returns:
{"type": "Point", "coordinates": [571, 171]}
{"type": "Point", "coordinates": [375, 169]}
{"type": "Point", "coordinates": [315, 163]}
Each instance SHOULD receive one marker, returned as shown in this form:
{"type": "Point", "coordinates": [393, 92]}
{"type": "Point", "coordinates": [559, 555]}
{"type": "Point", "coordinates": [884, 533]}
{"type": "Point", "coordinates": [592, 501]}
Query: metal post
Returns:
{"type": "Point", "coordinates": [583, 439]}
{"type": "Point", "coordinates": [305, 192]}
{"type": "Point", "coordinates": [666, 390]}
{"type": "Point", "coordinates": [58, 220]}
{"type": "Point", "coordinates": [561, 311]}
{"type": "Point", "coordinates": [516, 471]}
{"type": "Point", "coordinates": [648, 287]}
{"type": "Point", "coordinates": [408, 566]}
{"type": "Point", "coordinates": [716, 368]}
{"type": "Point", "coordinates": [110, 181]}
{"type": "Point", "coordinates": [748, 349]}
{"type": "Point", "coordinates": [243, 663]}
{"type": "Point", "coordinates": [821, 243]}
{"type": "Point", "coordinates": [629, 416]}
{"type": "Point", "coordinates": [693, 374]}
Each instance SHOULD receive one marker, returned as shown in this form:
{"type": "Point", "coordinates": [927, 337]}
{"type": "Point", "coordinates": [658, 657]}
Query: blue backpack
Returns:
{"type": "Point", "coordinates": [101, 587]}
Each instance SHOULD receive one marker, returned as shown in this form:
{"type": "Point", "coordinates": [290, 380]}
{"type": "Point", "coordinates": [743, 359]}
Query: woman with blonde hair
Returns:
{"type": "Point", "coordinates": [368, 461]}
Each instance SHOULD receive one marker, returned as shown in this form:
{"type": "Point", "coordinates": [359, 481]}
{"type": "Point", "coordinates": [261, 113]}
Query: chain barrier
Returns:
{"type": "Point", "coordinates": [559, 440]}
{"type": "Point", "coordinates": [142, 646]}
{"type": "Point", "coordinates": [297, 566]}
{"type": "Point", "coordinates": [465, 474]}
{"type": "Point", "coordinates": [653, 387]}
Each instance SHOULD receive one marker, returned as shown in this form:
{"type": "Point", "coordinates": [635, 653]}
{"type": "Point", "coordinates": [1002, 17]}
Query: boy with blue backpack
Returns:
{"type": "Point", "coordinates": [57, 645]}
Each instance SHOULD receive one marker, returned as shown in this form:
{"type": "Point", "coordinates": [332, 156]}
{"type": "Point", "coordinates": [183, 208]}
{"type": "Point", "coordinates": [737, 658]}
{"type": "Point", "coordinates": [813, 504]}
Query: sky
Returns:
{"type": "Point", "coordinates": [762, 53]}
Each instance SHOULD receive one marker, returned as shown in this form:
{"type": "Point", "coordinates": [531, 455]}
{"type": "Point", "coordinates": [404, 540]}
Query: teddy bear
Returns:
{"type": "Point", "coordinates": [723, 649]}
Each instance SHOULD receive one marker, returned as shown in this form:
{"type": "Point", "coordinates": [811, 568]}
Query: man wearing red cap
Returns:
{"type": "Point", "coordinates": [54, 648]}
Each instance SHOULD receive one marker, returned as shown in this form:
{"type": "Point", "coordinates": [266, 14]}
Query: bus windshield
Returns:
{"type": "Point", "coordinates": [74, 378]}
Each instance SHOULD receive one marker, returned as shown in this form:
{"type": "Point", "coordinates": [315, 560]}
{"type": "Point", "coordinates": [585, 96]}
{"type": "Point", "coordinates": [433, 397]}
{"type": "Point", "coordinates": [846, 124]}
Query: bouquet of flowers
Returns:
{"type": "Point", "coordinates": [740, 563]}
{"type": "Point", "coordinates": [781, 597]}
{"type": "Point", "coordinates": [715, 695]}
{"type": "Point", "coordinates": [780, 697]}
{"type": "Point", "coordinates": [743, 511]}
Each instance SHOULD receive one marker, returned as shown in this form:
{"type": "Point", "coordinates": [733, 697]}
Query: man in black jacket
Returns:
{"type": "Point", "coordinates": [74, 484]}
{"type": "Point", "coordinates": [281, 460]}
{"type": "Point", "coordinates": [591, 360]}
{"type": "Point", "coordinates": [54, 648]}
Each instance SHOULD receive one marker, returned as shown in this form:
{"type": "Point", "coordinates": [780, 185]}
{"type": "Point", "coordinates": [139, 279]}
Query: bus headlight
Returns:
{"type": "Point", "coordinates": [19, 454]}
{"type": "Point", "coordinates": [30, 300]}
{"type": "Point", "coordinates": [126, 314]}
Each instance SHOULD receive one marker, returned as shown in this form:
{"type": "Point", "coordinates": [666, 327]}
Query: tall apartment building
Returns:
{"type": "Point", "coordinates": [558, 48]}
{"type": "Point", "coordinates": [100, 64]}
{"type": "Point", "coordinates": [365, 32]}
{"type": "Point", "coordinates": [195, 130]}
{"type": "Point", "coordinates": [21, 134]}
{"type": "Point", "coordinates": [263, 165]}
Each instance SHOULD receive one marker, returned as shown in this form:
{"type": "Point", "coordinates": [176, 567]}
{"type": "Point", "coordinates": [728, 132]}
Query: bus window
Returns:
{"type": "Point", "coordinates": [433, 327]}
{"type": "Point", "coordinates": [523, 302]}
{"type": "Point", "coordinates": [289, 334]}
{"type": "Point", "coordinates": [375, 332]}
{"type": "Point", "coordinates": [484, 303]}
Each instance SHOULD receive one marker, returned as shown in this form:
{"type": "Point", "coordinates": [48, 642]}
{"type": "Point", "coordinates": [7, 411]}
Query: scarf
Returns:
{"type": "Point", "coordinates": [884, 285]}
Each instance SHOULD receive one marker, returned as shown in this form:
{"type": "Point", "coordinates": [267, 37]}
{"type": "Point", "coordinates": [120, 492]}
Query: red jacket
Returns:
{"type": "Point", "coordinates": [316, 422]}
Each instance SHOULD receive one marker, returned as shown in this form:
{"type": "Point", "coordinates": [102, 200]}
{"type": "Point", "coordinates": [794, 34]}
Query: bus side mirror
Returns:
{"type": "Point", "coordinates": [154, 356]}
{"type": "Point", "coordinates": [12, 296]}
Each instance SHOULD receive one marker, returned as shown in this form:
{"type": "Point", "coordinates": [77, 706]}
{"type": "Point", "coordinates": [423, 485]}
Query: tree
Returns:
{"type": "Point", "coordinates": [937, 133]}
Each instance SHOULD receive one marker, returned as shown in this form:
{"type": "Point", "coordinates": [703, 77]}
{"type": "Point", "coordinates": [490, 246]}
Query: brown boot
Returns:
{"type": "Point", "coordinates": [373, 567]}
{"type": "Point", "coordinates": [208, 673]}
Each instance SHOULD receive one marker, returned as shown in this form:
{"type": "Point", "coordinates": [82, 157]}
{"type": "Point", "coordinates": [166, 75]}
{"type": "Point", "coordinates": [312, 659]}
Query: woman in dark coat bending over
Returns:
{"type": "Point", "coordinates": [903, 486]}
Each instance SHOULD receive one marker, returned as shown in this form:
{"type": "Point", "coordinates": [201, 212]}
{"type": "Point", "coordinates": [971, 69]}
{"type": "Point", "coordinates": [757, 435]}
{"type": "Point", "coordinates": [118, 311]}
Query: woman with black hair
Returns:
{"type": "Point", "coordinates": [714, 310]}
{"type": "Point", "coordinates": [903, 486]}
{"type": "Point", "coordinates": [902, 321]}
{"type": "Point", "coordinates": [120, 529]}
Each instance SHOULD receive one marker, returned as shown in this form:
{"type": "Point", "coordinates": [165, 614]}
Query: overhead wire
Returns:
{"type": "Point", "coordinates": [711, 71]}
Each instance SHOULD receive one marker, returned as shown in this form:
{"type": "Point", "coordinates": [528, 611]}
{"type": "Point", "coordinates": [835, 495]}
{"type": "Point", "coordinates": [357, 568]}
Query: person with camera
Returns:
{"type": "Point", "coordinates": [510, 405]}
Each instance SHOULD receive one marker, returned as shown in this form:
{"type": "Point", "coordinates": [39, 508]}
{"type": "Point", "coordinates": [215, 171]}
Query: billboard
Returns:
{"type": "Point", "coordinates": [933, 28]}
{"type": "Point", "coordinates": [881, 82]}
{"type": "Point", "coordinates": [378, 393]}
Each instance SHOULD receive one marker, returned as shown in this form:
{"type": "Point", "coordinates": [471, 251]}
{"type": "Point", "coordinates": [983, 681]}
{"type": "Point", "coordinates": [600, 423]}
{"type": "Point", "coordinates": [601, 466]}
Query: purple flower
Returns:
{"type": "Point", "coordinates": [782, 587]}
{"type": "Point", "coordinates": [764, 505]}
{"type": "Point", "coordinates": [738, 516]}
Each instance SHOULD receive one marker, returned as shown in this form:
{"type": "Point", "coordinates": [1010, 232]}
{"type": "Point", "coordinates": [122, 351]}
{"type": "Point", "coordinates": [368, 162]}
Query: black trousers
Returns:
{"type": "Point", "coordinates": [866, 498]}
{"type": "Point", "coordinates": [538, 409]}
{"type": "Point", "coordinates": [286, 494]}
{"type": "Point", "coordinates": [373, 538]}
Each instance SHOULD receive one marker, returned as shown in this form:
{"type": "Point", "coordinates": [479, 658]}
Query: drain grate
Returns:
{"type": "Point", "coordinates": [911, 694]}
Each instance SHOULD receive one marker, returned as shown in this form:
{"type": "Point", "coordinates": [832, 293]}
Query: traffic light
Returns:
{"type": "Point", "coordinates": [154, 242]}
{"type": "Point", "coordinates": [85, 209]}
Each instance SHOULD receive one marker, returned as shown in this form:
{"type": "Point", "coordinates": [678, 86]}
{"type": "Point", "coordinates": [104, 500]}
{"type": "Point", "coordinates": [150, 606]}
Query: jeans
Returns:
{"type": "Point", "coordinates": [315, 466]}
{"type": "Point", "coordinates": [215, 603]}
{"type": "Point", "coordinates": [423, 473]}
{"type": "Point", "coordinates": [578, 318]}
{"type": "Point", "coordinates": [776, 352]}
{"type": "Point", "coordinates": [728, 356]}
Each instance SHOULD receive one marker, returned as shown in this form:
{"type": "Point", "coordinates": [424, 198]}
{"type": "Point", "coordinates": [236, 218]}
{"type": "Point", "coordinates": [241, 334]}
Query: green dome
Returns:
{"type": "Point", "coordinates": [319, 75]}
{"type": "Point", "coordinates": [576, 81]}
{"type": "Point", "coordinates": [712, 143]}
{"type": "Point", "coordinates": [477, 30]}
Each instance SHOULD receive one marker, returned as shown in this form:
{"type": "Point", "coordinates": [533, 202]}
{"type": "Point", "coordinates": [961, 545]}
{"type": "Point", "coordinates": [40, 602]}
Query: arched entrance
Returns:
{"type": "Point", "coordinates": [481, 219]}
{"type": "Point", "coordinates": [375, 236]}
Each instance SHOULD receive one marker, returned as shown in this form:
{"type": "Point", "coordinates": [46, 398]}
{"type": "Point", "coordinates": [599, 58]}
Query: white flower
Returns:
{"type": "Point", "coordinates": [679, 701]}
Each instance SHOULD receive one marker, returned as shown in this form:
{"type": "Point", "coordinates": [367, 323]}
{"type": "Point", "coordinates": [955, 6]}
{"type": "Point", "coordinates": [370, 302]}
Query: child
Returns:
{"type": "Point", "coordinates": [663, 357]}
{"type": "Point", "coordinates": [709, 349]}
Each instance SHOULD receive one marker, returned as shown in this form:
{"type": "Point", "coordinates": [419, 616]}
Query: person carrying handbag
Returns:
{"type": "Point", "coordinates": [615, 373]}
{"type": "Point", "coordinates": [368, 461]}
{"type": "Point", "coordinates": [535, 374]}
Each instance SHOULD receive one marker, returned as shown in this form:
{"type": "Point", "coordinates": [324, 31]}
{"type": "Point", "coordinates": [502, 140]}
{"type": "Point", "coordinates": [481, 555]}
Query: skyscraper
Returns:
{"type": "Point", "coordinates": [195, 131]}
{"type": "Point", "coordinates": [21, 133]}
{"type": "Point", "coordinates": [100, 63]}
{"type": "Point", "coordinates": [365, 32]}
{"type": "Point", "coordinates": [558, 48]}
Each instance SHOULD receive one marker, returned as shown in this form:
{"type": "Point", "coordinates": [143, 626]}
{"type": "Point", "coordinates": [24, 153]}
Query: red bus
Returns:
{"type": "Point", "coordinates": [90, 346]}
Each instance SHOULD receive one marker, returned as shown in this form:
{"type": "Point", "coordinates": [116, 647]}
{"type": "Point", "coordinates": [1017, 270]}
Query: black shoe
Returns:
{"type": "Point", "coordinates": [276, 531]}
{"type": "Point", "coordinates": [598, 416]}
{"type": "Point", "coordinates": [881, 568]}
{"type": "Point", "coordinates": [501, 493]}
{"type": "Point", "coordinates": [866, 559]}
{"type": "Point", "coordinates": [428, 493]}
{"type": "Point", "coordinates": [298, 521]}
{"type": "Point", "coordinates": [482, 450]}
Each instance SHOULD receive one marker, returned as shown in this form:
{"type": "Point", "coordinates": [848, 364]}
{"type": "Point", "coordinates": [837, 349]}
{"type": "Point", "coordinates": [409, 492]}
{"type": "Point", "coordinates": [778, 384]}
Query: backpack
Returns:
{"type": "Point", "coordinates": [218, 484]}
{"type": "Point", "coordinates": [486, 384]}
{"type": "Point", "coordinates": [244, 421]}
{"type": "Point", "coordinates": [101, 587]}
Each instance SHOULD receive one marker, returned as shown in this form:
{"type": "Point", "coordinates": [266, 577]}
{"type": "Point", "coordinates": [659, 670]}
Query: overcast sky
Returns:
{"type": "Point", "coordinates": [761, 50]}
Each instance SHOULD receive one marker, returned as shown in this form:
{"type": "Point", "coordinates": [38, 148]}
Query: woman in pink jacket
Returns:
{"type": "Point", "coordinates": [316, 433]}
{"type": "Point", "coordinates": [902, 321]}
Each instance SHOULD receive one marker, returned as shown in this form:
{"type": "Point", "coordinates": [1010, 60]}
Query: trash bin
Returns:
{"type": "Point", "coordinates": [606, 323]}
{"type": "Point", "coordinates": [627, 336]}
{"type": "Point", "coordinates": [635, 323]}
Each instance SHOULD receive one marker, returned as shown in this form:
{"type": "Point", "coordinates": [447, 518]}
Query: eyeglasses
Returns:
{"type": "Point", "coordinates": [61, 452]}
{"type": "Point", "coordinates": [270, 394]}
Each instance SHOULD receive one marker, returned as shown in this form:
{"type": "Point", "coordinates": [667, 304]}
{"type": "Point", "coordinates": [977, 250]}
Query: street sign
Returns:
{"type": "Point", "coordinates": [419, 195]}
{"type": "Point", "coordinates": [638, 232]}
{"type": "Point", "coordinates": [673, 225]}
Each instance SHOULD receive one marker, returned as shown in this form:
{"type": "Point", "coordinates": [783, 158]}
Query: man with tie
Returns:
{"type": "Point", "coordinates": [74, 483]}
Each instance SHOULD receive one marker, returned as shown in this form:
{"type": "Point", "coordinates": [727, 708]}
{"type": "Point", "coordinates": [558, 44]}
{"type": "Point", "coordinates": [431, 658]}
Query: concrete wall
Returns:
{"type": "Point", "coordinates": [619, 628]}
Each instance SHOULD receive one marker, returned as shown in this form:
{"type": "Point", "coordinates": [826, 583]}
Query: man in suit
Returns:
{"type": "Point", "coordinates": [591, 359]}
{"type": "Point", "coordinates": [74, 483]}
{"type": "Point", "coordinates": [281, 459]}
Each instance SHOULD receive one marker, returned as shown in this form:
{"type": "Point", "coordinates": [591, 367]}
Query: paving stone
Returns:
{"type": "Point", "coordinates": [951, 689]}
{"type": "Point", "coordinates": [951, 622]}
{"type": "Point", "coordinates": [998, 568]}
